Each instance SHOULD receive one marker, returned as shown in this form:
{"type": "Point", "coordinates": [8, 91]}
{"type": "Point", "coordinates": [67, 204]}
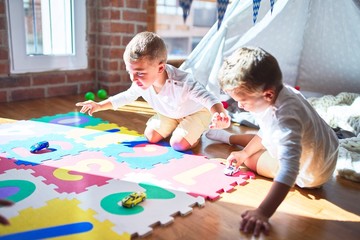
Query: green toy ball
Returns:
{"type": "Point", "coordinates": [102, 94]}
{"type": "Point", "coordinates": [90, 96]}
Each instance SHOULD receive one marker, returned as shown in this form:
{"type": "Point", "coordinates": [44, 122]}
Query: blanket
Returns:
{"type": "Point", "coordinates": [348, 164]}
{"type": "Point", "coordinates": [343, 112]}
{"type": "Point", "coordinates": [340, 111]}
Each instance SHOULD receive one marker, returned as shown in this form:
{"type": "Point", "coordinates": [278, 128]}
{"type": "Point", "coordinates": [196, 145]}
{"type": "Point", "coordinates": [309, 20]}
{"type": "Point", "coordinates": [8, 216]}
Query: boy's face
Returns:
{"type": "Point", "coordinates": [144, 72]}
{"type": "Point", "coordinates": [252, 102]}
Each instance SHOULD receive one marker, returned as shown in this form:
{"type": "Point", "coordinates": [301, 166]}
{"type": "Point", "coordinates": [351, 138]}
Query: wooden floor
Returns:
{"type": "Point", "coordinates": [332, 212]}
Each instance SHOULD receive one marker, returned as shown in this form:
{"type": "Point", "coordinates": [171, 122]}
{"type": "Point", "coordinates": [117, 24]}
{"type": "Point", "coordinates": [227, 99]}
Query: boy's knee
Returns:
{"type": "Point", "coordinates": [152, 136]}
{"type": "Point", "coordinates": [151, 140]}
{"type": "Point", "coordinates": [179, 144]}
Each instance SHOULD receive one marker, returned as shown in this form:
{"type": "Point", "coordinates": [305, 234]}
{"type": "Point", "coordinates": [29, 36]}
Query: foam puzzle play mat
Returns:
{"type": "Point", "coordinates": [71, 189]}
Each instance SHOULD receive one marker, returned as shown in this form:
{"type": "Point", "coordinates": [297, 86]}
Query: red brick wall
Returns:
{"type": "Point", "coordinates": [110, 26]}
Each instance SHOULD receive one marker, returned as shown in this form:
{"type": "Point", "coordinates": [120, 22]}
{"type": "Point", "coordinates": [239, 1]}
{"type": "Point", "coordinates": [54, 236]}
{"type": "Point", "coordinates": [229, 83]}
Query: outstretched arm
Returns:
{"type": "Point", "coordinates": [90, 106]}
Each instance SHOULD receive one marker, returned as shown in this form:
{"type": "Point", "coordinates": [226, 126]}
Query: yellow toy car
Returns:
{"type": "Point", "coordinates": [132, 199]}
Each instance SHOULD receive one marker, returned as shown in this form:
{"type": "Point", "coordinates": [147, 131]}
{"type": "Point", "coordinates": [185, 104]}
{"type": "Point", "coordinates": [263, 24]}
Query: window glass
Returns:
{"type": "Point", "coordinates": [47, 35]}
{"type": "Point", "coordinates": [48, 27]}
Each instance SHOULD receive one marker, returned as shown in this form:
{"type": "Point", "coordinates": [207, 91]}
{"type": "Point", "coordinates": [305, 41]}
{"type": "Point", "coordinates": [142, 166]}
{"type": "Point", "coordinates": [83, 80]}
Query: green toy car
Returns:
{"type": "Point", "coordinates": [132, 199]}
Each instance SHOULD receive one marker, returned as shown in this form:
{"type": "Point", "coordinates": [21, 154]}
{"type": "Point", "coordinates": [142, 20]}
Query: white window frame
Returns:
{"type": "Point", "coordinates": [20, 62]}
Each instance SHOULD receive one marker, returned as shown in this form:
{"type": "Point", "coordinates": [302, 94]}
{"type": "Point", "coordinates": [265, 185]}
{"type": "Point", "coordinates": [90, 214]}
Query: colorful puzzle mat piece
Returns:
{"type": "Point", "coordinates": [59, 147]}
{"type": "Point", "coordinates": [53, 220]}
{"type": "Point", "coordinates": [6, 163]}
{"type": "Point", "coordinates": [88, 169]}
{"type": "Point", "coordinates": [76, 177]}
{"type": "Point", "coordinates": [191, 174]}
{"type": "Point", "coordinates": [25, 190]}
{"type": "Point", "coordinates": [23, 130]}
{"type": "Point", "coordinates": [159, 207]}
{"type": "Point", "coordinates": [33, 197]}
{"type": "Point", "coordinates": [98, 139]}
{"type": "Point", "coordinates": [112, 127]}
{"type": "Point", "coordinates": [74, 169]}
{"type": "Point", "coordinates": [141, 154]}
{"type": "Point", "coordinates": [73, 119]}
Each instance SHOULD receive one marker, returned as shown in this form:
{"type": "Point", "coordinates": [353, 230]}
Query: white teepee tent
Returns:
{"type": "Point", "coordinates": [317, 43]}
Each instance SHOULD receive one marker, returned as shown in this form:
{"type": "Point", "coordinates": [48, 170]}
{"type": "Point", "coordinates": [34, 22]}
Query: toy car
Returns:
{"type": "Point", "coordinates": [132, 199]}
{"type": "Point", "coordinates": [231, 170]}
{"type": "Point", "coordinates": [39, 146]}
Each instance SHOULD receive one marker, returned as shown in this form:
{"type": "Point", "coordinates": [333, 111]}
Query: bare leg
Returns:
{"type": "Point", "coordinates": [240, 139]}
{"type": "Point", "coordinates": [152, 135]}
{"type": "Point", "coordinates": [178, 143]}
{"type": "Point", "coordinates": [251, 162]}
{"type": "Point", "coordinates": [181, 144]}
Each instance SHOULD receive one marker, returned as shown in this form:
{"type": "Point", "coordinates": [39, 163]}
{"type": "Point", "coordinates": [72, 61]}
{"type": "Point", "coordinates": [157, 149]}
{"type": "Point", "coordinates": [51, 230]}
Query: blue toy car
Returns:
{"type": "Point", "coordinates": [39, 146]}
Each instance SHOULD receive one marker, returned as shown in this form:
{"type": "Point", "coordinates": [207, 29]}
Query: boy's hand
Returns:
{"type": "Point", "coordinates": [236, 158]}
{"type": "Point", "coordinates": [220, 121]}
{"type": "Point", "coordinates": [88, 106]}
{"type": "Point", "coordinates": [254, 221]}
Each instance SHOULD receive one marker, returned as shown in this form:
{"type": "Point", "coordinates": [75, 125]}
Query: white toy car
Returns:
{"type": "Point", "coordinates": [231, 170]}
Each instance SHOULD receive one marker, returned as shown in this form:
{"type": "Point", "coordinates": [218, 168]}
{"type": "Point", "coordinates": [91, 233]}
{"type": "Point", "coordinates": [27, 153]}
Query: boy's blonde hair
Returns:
{"type": "Point", "coordinates": [250, 69]}
{"type": "Point", "coordinates": [146, 45]}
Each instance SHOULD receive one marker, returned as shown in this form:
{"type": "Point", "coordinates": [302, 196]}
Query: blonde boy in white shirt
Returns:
{"type": "Point", "coordinates": [183, 106]}
{"type": "Point", "coordinates": [294, 144]}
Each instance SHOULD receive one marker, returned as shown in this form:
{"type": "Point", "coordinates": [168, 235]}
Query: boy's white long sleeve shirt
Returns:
{"type": "Point", "coordinates": [180, 96]}
{"type": "Point", "coordinates": [294, 133]}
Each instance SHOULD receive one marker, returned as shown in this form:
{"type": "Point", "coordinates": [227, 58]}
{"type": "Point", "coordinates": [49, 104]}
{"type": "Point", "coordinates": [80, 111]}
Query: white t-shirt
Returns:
{"type": "Point", "coordinates": [180, 96]}
{"type": "Point", "coordinates": [294, 133]}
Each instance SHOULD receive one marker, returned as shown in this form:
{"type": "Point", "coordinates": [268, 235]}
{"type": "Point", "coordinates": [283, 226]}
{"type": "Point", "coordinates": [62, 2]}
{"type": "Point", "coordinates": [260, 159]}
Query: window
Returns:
{"type": "Point", "coordinates": [47, 35]}
{"type": "Point", "coordinates": [170, 7]}
{"type": "Point", "coordinates": [182, 37]}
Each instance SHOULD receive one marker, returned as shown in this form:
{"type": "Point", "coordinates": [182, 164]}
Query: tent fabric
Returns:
{"type": "Point", "coordinates": [317, 43]}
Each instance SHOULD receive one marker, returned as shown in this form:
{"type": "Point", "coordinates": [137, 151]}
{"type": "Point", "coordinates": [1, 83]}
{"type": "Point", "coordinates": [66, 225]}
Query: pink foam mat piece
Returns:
{"type": "Point", "coordinates": [193, 174]}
